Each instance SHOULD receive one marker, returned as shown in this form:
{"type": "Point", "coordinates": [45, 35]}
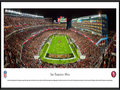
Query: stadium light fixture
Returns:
{"type": "Point", "coordinates": [99, 15]}
{"type": "Point", "coordinates": [11, 11]}
{"type": "Point", "coordinates": [23, 14]}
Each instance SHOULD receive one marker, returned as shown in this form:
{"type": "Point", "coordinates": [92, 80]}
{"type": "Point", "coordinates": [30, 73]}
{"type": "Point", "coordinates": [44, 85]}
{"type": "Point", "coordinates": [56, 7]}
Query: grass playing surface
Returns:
{"type": "Point", "coordinates": [59, 45]}
{"type": "Point", "coordinates": [58, 50]}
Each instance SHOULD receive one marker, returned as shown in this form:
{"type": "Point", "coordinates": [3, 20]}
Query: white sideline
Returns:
{"type": "Point", "coordinates": [48, 47]}
{"type": "Point", "coordinates": [58, 59]}
{"type": "Point", "coordinates": [70, 47]}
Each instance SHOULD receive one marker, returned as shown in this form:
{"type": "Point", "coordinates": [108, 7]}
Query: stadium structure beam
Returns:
{"type": "Point", "coordinates": [68, 22]}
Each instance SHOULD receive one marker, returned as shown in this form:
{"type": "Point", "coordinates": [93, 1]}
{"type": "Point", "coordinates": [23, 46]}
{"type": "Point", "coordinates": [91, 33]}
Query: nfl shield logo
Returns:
{"type": "Point", "coordinates": [5, 74]}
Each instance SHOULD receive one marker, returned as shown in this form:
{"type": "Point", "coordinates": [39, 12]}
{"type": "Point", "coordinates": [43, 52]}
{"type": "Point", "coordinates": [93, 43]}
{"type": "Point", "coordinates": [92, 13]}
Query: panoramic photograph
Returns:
{"type": "Point", "coordinates": [59, 38]}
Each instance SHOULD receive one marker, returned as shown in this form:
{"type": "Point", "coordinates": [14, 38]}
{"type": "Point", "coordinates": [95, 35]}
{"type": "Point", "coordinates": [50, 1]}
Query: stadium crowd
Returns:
{"type": "Point", "coordinates": [94, 37]}
{"type": "Point", "coordinates": [110, 55]}
{"type": "Point", "coordinates": [12, 23]}
{"type": "Point", "coordinates": [32, 48]}
{"type": "Point", "coordinates": [87, 48]}
{"type": "Point", "coordinates": [16, 31]}
{"type": "Point", "coordinates": [17, 54]}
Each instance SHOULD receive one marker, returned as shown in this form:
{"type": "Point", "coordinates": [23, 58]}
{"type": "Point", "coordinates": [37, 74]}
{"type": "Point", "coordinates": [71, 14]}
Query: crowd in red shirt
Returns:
{"type": "Point", "coordinates": [17, 55]}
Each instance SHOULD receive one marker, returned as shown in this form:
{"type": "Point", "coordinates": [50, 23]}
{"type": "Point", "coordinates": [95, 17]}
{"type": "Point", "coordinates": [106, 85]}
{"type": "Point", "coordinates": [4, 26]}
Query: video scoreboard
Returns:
{"type": "Point", "coordinates": [61, 19]}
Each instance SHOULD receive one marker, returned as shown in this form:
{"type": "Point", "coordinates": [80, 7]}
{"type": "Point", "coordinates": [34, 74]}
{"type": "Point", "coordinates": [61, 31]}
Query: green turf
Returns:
{"type": "Point", "coordinates": [57, 45]}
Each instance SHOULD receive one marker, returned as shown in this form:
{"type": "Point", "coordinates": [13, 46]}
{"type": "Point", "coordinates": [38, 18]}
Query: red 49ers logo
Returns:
{"type": "Point", "coordinates": [113, 74]}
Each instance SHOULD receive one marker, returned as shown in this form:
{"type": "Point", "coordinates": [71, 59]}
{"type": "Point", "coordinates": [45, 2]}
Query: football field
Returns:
{"type": "Point", "coordinates": [59, 49]}
{"type": "Point", "coordinates": [59, 45]}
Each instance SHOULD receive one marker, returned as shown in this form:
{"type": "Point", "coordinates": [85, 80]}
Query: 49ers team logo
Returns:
{"type": "Point", "coordinates": [113, 74]}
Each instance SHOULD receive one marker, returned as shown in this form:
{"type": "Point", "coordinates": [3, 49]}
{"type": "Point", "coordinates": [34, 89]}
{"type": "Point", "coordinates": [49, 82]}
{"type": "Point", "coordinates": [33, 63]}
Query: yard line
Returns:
{"type": "Point", "coordinates": [59, 59]}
